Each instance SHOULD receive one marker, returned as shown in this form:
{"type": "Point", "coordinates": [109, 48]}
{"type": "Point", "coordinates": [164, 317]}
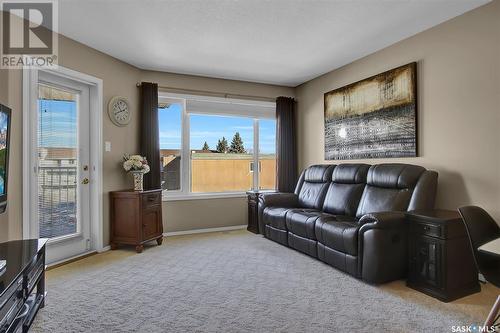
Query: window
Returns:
{"type": "Point", "coordinates": [225, 165]}
{"type": "Point", "coordinates": [57, 134]}
{"type": "Point", "coordinates": [170, 122]}
{"type": "Point", "coordinates": [267, 154]}
{"type": "Point", "coordinates": [210, 146]}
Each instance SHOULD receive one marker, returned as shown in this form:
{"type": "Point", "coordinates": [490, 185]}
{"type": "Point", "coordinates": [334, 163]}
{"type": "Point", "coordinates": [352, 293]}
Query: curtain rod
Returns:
{"type": "Point", "coordinates": [213, 93]}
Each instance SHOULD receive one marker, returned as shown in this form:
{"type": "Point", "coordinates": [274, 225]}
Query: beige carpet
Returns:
{"type": "Point", "coordinates": [236, 282]}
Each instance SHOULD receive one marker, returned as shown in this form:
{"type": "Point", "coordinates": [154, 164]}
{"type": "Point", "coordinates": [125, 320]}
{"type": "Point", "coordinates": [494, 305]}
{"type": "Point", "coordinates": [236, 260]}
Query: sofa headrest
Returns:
{"type": "Point", "coordinates": [350, 173]}
{"type": "Point", "coordinates": [319, 173]}
{"type": "Point", "coordinates": [394, 175]}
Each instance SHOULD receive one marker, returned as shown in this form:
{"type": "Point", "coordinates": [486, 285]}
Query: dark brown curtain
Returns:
{"type": "Point", "coordinates": [286, 146]}
{"type": "Point", "coordinates": [150, 137]}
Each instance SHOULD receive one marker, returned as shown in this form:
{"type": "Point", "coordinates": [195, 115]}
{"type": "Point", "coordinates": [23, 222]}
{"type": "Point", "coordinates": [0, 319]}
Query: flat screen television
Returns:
{"type": "Point", "coordinates": [5, 116]}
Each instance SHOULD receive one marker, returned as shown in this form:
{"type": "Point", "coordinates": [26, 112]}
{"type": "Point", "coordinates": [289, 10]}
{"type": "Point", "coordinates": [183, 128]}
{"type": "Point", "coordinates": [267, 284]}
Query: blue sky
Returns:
{"type": "Point", "coordinates": [57, 121]}
{"type": "Point", "coordinates": [212, 128]}
{"type": "Point", "coordinates": [3, 121]}
{"type": "Point", "coordinates": [3, 128]}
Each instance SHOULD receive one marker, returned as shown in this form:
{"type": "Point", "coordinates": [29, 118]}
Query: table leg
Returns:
{"type": "Point", "coordinates": [490, 321]}
{"type": "Point", "coordinates": [40, 287]}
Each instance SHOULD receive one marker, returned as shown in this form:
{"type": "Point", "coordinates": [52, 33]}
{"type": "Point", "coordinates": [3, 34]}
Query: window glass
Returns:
{"type": "Point", "coordinates": [267, 154]}
{"type": "Point", "coordinates": [170, 122]}
{"type": "Point", "coordinates": [219, 143]}
{"type": "Point", "coordinates": [57, 162]}
{"type": "Point", "coordinates": [221, 153]}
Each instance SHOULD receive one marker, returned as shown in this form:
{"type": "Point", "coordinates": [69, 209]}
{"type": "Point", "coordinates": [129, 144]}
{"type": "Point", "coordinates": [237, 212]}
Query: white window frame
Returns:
{"type": "Point", "coordinates": [193, 104]}
{"type": "Point", "coordinates": [170, 100]}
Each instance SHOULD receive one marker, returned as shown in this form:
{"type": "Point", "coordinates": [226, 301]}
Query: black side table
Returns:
{"type": "Point", "coordinates": [253, 209]}
{"type": "Point", "coordinates": [441, 263]}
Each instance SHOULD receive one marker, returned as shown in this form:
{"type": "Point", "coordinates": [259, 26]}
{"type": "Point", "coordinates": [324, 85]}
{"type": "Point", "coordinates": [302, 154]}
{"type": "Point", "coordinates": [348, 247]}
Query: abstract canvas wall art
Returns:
{"type": "Point", "coordinates": [373, 118]}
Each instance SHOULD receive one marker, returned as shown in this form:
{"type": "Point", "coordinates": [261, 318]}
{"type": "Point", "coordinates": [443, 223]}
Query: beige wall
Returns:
{"type": "Point", "coordinates": [14, 191]}
{"type": "Point", "coordinates": [120, 78]}
{"type": "Point", "coordinates": [204, 213]}
{"type": "Point", "coordinates": [459, 105]}
{"type": "Point", "coordinates": [209, 84]}
{"type": "Point", "coordinates": [4, 85]}
{"type": "Point", "coordinates": [200, 214]}
{"type": "Point", "coordinates": [459, 118]}
{"type": "Point", "coordinates": [9, 225]}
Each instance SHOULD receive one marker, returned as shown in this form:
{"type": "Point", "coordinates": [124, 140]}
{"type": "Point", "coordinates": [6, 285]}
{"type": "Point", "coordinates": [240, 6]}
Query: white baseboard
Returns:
{"type": "Point", "coordinates": [59, 262]}
{"type": "Point", "coordinates": [200, 231]}
{"type": "Point", "coordinates": [104, 249]}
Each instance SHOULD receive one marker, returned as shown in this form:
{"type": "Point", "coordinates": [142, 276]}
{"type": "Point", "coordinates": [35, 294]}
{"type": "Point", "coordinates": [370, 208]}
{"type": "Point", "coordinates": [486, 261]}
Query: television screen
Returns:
{"type": "Point", "coordinates": [4, 154]}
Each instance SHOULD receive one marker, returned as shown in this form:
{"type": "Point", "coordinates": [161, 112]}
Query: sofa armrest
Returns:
{"type": "Point", "coordinates": [278, 199]}
{"type": "Point", "coordinates": [288, 200]}
{"type": "Point", "coordinates": [382, 220]}
{"type": "Point", "coordinates": [382, 247]}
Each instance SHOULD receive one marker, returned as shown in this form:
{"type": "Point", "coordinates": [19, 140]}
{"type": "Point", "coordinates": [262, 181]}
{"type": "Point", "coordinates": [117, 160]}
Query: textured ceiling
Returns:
{"type": "Point", "coordinates": [279, 42]}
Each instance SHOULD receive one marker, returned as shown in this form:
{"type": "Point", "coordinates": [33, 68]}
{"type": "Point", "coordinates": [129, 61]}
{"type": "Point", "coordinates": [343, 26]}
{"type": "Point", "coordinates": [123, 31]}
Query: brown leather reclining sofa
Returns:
{"type": "Point", "coordinates": [351, 216]}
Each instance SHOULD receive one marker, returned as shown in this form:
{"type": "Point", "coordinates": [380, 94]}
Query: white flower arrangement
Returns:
{"type": "Point", "coordinates": [135, 163]}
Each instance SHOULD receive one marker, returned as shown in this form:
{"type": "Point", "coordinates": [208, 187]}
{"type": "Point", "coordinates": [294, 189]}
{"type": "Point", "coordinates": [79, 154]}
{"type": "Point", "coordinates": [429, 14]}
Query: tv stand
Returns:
{"type": "Point", "coordinates": [22, 284]}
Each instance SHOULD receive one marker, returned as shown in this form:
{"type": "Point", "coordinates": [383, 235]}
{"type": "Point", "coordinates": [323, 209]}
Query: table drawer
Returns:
{"type": "Point", "coordinates": [151, 199]}
{"type": "Point", "coordinates": [427, 229]}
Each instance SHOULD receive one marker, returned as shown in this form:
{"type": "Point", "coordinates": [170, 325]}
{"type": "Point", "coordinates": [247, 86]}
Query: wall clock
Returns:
{"type": "Point", "coordinates": [119, 111]}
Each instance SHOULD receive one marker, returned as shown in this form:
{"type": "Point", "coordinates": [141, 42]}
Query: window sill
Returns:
{"type": "Point", "coordinates": [202, 196]}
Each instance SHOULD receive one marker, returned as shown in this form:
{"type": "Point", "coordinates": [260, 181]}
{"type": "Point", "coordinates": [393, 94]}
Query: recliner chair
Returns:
{"type": "Point", "coordinates": [342, 196]}
{"type": "Point", "coordinates": [309, 195]}
{"type": "Point", "coordinates": [351, 216]}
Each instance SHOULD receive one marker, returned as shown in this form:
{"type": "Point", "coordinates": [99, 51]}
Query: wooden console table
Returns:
{"type": "Point", "coordinates": [22, 283]}
{"type": "Point", "coordinates": [136, 218]}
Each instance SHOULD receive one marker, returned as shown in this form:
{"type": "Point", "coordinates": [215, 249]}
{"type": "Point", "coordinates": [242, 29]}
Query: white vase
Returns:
{"type": "Point", "coordinates": [138, 180]}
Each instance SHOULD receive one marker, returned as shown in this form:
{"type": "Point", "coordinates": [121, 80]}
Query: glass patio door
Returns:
{"type": "Point", "coordinates": [62, 166]}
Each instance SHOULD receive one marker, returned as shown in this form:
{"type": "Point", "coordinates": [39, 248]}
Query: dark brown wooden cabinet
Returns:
{"type": "Point", "coordinates": [440, 258]}
{"type": "Point", "coordinates": [253, 213]}
{"type": "Point", "coordinates": [136, 218]}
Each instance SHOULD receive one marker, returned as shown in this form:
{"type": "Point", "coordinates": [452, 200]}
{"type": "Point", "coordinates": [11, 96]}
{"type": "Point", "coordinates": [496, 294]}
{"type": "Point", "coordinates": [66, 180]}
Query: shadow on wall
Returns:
{"type": "Point", "coordinates": [452, 192]}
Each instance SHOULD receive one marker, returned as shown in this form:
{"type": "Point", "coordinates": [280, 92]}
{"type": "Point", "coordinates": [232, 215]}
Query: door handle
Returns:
{"type": "Point", "coordinates": [85, 181]}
